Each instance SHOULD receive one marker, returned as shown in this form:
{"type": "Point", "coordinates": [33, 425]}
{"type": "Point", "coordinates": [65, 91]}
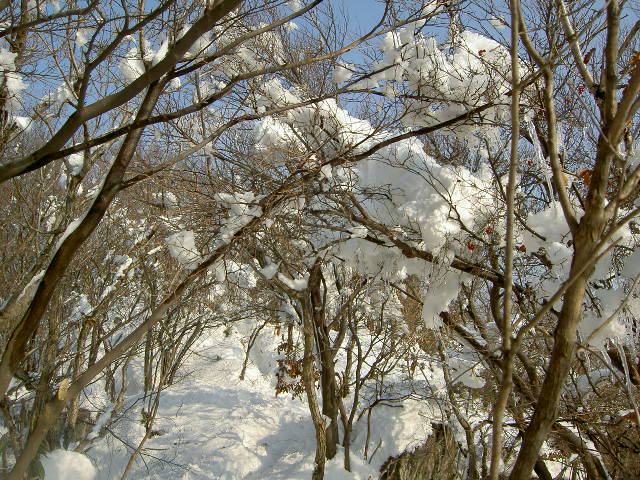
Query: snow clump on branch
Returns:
{"type": "Point", "coordinates": [182, 247]}
{"type": "Point", "coordinates": [10, 79]}
{"type": "Point", "coordinates": [441, 86]}
{"type": "Point", "coordinates": [242, 209]}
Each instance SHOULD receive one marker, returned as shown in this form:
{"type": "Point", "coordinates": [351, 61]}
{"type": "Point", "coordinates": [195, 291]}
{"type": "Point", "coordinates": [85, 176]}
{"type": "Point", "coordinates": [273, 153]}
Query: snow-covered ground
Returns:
{"type": "Point", "coordinates": [215, 426]}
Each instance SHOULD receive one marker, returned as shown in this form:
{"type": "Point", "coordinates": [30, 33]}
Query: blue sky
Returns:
{"type": "Point", "coordinates": [365, 12]}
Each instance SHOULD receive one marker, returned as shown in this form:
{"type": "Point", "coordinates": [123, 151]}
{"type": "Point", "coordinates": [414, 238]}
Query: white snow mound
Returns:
{"type": "Point", "coordinates": [65, 465]}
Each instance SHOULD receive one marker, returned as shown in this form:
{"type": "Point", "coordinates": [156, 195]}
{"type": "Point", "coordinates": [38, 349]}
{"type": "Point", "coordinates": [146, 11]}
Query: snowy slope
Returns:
{"type": "Point", "coordinates": [215, 426]}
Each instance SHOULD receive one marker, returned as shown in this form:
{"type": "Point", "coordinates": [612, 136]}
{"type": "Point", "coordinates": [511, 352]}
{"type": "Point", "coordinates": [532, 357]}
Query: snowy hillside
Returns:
{"type": "Point", "coordinates": [212, 425]}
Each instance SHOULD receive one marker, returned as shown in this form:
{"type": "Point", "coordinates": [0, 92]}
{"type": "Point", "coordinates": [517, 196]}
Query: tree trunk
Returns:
{"type": "Point", "coordinates": [310, 389]}
{"type": "Point", "coordinates": [557, 372]}
{"type": "Point", "coordinates": [327, 375]}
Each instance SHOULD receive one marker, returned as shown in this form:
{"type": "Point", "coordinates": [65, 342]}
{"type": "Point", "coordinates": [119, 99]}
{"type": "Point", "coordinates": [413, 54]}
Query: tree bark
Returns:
{"type": "Point", "coordinates": [330, 406]}
{"type": "Point", "coordinates": [310, 389]}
